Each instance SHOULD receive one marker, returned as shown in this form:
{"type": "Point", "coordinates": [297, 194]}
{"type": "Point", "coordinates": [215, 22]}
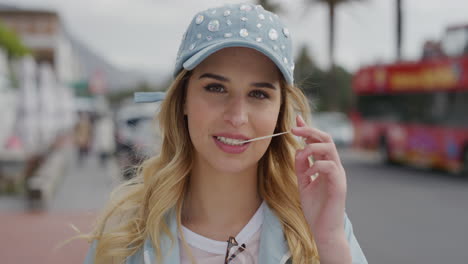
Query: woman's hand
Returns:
{"type": "Point", "coordinates": [323, 199]}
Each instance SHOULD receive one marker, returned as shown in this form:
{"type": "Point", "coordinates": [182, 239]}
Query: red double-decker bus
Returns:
{"type": "Point", "coordinates": [417, 112]}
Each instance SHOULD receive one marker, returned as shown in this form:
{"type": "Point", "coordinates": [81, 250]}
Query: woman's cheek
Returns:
{"type": "Point", "coordinates": [271, 120]}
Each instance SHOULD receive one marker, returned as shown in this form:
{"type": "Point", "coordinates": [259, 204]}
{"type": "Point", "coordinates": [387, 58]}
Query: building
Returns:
{"type": "Point", "coordinates": [43, 32]}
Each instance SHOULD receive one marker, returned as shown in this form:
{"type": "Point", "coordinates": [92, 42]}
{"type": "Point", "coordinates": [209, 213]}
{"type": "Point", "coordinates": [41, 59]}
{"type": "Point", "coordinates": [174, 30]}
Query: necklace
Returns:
{"type": "Point", "coordinates": [232, 242]}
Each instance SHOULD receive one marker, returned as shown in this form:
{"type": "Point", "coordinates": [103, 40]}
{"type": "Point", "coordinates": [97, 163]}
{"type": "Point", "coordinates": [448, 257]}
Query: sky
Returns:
{"type": "Point", "coordinates": [144, 35]}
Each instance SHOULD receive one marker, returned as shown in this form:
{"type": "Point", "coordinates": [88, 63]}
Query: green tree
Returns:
{"type": "Point", "coordinates": [336, 93]}
{"type": "Point", "coordinates": [307, 74]}
{"type": "Point", "coordinates": [333, 90]}
{"type": "Point", "coordinates": [11, 43]}
{"type": "Point", "coordinates": [327, 90]}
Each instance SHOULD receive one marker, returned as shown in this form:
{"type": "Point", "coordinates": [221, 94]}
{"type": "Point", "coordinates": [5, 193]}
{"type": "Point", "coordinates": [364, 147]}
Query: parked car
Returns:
{"type": "Point", "coordinates": [136, 135]}
{"type": "Point", "coordinates": [336, 124]}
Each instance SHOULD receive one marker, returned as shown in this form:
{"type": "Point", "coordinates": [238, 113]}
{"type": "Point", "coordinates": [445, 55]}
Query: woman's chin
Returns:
{"type": "Point", "coordinates": [232, 167]}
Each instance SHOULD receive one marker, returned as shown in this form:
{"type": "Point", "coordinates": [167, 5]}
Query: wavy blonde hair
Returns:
{"type": "Point", "coordinates": [139, 207]}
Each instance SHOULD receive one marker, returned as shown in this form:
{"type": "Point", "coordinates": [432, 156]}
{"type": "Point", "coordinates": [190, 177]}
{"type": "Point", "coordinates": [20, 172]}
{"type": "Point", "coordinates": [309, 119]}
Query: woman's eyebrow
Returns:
{"type": "Point", "coordinates": [224, 79]}
{"type": "Point", "coordinates": [214, 76]}
{"type": "Point", "coordinates": [264, 85]}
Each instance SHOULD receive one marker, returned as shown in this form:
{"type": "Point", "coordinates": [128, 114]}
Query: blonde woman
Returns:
{"type": "Point", "coordinates": [211, 197]}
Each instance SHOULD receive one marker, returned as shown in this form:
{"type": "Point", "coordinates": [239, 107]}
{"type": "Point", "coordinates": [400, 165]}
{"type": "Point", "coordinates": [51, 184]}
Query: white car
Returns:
{"type": "Point", "coordinates": [336, 124]}
{"type": "Point", "coordinates": [137, 135]}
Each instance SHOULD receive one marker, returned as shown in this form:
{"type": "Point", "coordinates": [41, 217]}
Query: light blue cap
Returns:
{"type": "Point", "coordinates": [236, 25]}
{"type": "Point", "coordinates": [148, 97]}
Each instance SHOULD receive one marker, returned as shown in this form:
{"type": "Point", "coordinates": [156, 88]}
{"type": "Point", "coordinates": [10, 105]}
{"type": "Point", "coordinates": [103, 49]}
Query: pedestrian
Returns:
{"type": "Point", "coordinates": [83, 135]}
{"type": "Point", "coordinates": [104, 137]}
{"type": "Point", "coordinates": [209, 197]}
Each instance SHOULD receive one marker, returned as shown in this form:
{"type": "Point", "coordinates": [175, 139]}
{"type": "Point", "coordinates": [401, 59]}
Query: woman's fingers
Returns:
{"type": "Point", "coordinates": [311, 135]}
{"type": "Point", "coordinates": [321, 151]}
{"type": "Point", "coordinates": [300, 121]}
{"type": "Point", "coordinates": [328, 171]}
{"type": "Point", "coordinates": [319, 145]}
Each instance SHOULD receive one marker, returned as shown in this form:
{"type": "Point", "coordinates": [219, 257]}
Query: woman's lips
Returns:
{"type": "Point", "coordinates": [231, 149]}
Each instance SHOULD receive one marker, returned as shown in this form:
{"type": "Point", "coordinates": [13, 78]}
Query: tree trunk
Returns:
{"type": "Point", "coordinates": [399, 29]}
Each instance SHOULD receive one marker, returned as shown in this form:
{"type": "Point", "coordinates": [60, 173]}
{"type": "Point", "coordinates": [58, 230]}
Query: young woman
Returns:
{"type": "Point", "coordinates": [210, 197]}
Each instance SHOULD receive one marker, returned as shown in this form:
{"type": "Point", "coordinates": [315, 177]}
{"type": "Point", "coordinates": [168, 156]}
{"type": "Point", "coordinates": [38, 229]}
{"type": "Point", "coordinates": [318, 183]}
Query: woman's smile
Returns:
{"type": "Point", "coordinates": [231, 143]}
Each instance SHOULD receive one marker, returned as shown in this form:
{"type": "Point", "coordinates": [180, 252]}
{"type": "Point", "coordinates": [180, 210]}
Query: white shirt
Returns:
{"type": "Point", "coordinates": [209, 251]}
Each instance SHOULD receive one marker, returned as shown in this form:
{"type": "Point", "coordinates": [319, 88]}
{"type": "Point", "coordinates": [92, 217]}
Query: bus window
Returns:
{"type": "Point", "coordinates": [457, 115]}
{"type": "Point", "coordinates": [379, 108]}
{"type": "Point", "coordinates": [439, 108]}
{"type": "Point", "coordinates": [418, 108]}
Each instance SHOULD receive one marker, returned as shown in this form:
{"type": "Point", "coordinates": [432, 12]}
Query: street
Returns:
{"type": "Point", "coordinates": [399, 214]}
{"type": "Point", "coordinates": [407, 215]}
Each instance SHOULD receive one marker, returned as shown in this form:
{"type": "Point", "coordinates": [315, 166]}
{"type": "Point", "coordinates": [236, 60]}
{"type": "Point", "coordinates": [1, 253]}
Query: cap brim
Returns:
{"type": "Point", "coordinates": [148, 97]}
{"type": "Point", "coordinates": [200, 56]}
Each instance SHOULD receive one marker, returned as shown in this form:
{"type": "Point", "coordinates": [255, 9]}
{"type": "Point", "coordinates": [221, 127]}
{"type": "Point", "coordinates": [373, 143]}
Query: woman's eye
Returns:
{"type": "Point", "coordinates": [215, 88]}
{"type": "Point", "coordinates": [259, 94]}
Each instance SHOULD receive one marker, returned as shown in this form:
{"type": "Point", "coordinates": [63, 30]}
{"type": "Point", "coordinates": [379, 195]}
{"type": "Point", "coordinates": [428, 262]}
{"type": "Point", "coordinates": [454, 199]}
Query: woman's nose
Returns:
{"type": "Point", "coordinates": [236, 112]}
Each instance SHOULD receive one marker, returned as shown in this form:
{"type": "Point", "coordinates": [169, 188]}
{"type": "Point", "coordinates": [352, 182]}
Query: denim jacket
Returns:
{"type": "Point", "coordinates": [273, 245]}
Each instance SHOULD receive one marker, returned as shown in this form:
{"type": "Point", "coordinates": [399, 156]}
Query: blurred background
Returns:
{"type": "Point", "coordinates": [388, 79]}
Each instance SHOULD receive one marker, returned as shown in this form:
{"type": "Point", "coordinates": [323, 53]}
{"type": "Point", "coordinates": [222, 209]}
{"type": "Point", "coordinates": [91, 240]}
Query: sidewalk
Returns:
{"type": "Point", "coordinates": [32, 236]}
{"type": "Point", "coordinates": [40, 234]}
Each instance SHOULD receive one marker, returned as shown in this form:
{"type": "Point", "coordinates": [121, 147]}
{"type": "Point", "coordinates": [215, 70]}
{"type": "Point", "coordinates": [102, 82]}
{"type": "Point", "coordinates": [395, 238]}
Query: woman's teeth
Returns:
{"type": "Point", "coordinates": [230, 141]}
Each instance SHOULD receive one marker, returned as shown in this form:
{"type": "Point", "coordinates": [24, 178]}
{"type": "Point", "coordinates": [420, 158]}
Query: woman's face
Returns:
{"type": "Point", "coordinates": [233, 95]}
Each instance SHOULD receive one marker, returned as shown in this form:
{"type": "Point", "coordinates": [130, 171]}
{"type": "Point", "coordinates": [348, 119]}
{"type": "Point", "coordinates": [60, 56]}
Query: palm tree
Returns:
{"type": "Point", "coordinates": [332, 78]}
{"type": "Point", "coordinates": [332, 5]}
{"type": "Point", "coordinates": [399, 29]}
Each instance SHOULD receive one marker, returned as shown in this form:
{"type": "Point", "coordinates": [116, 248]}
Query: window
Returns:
{"type": "Point", "coordinates": [438, 108]}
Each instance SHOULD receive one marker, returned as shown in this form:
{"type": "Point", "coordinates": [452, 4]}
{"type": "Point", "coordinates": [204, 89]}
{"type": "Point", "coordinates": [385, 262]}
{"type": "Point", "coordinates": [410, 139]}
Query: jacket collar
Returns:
{"type": "Point", "coordinates": [273, 246]}
{"type": "Point", "coordinates": [169, 250]}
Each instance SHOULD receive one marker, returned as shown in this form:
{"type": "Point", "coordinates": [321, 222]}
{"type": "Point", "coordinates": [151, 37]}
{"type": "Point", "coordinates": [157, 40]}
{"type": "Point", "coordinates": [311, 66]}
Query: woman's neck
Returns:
{"type": "Point", "coordinates": [220, 204]}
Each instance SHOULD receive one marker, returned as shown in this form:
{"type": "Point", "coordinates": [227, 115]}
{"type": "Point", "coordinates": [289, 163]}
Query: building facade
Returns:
{"type": "Point", "coordinates": [43, 32]}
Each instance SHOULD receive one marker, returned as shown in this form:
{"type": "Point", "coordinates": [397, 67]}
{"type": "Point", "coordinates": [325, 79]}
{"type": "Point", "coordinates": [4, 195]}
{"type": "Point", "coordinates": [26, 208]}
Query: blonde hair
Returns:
{"type": "Point", "coordinates": [139, 207]}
